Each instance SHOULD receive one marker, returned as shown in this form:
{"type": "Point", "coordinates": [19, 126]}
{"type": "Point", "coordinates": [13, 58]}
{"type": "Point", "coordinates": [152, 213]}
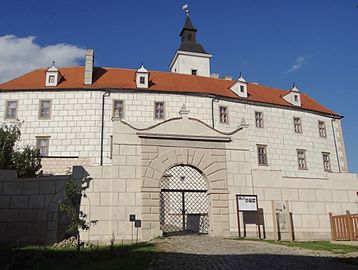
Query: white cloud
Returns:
{"type": "Point", "coordinates": [297, 65]}
{"type": "Point", "coordinates": [21, 55]}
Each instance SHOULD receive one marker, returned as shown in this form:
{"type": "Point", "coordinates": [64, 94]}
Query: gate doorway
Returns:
{"type": "Point", "coordinates": [184, 201]}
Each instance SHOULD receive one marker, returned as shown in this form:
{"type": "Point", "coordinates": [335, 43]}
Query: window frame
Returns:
{"type": "Point", "coordinates": [263, 146]}
{"type": "Point", "coordinates": [51, 79]}
{"type": "Point", "coordinates": [141, 79]}
{"type": "Point", "coordinates": [262, 119]}
{"type": "Point", "coordinates": [326, 154]}
{"type": "Point", "coordinates": [7, 109]}
{"type": "Point", "coordinates": [38, 139]}
{"type": "Point", "coordinates": [303, 151]}
{"type": "Point", "coordinates": [300, 129]}
{"type": "Point", "coordinates": [50, 109]}
{"type": "Point", "coordinates": [113, 108]}
{"type": "Point", "coordinates": [324, 129]}
{"type": "Point", "coordinates": [194, 72]}
{"type": "Point", "coordinates": [155, 110]}
{"type": "Point", "coordinates": [225, 113]}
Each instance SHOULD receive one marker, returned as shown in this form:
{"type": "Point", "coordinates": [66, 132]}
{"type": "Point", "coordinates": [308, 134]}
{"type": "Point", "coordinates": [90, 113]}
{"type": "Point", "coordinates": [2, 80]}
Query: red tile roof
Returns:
{"type": "Point", "coordinates": [113, 78]}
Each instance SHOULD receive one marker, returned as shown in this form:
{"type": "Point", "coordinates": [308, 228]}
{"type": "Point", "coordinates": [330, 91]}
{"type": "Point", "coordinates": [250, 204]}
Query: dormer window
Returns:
{"type": "Point", "coordinates": [293, 96]}
{"type": "Point", "coordinates": [53, 76]}
{"type": "Point", "coordinates": [142, 77]}
{"type": "Point", "coordinates": [240, 87]}
{"type": "Point", "coordinates": [296, 98]}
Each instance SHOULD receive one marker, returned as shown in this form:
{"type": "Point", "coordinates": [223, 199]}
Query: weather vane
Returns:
{"type": "Point", "coordinates": [186, 8]}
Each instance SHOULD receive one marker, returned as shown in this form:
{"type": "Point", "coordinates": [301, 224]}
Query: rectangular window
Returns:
{"type": "Point", "coordinates": [11, 109]}
{"type": "Point", "coordinates": [259, 119]}
{"type": "Point", "coordinates": [301, 158]}
{"type": "Point", "coordinates": [297, 124]}
{"type": "Point", "coordinates": [242, 89]}
{"type": "Point", "coordinates": [224, 117]}
{"type": "Point", "coordinates": [262, 154]}
{"type": "Point", "coordinates": [42, 144]}
{"type": "Point", "coordinates": [322, 129]}
{"type": "Point", "coordinates": [158, 110]}
{"type": "Point", "coordinates": [45, 109]}
{"type": "Point", "coordinates": [118, 108]}
{"type": "Point", "coordinates": [51, 79]}
{"type": "Point", "coordinates": [194, 72]}
{"type": "Point", "coordinates": [326, 162]}
{"type": "Point", "coordinates": [142, 80]}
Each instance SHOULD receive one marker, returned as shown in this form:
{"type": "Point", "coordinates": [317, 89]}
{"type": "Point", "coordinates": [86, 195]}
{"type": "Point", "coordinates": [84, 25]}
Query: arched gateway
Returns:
{"type": "Point", "coordinates": [184, 204]}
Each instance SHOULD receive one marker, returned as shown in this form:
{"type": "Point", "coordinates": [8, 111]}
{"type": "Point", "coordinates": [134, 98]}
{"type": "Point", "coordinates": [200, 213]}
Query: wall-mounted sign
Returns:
{"type": "Point", "coordinates": [132, 218]}
{"type": "Point", "coordinates": [247, 202]}
{"type": "Point", "coordinates": [138, 223]}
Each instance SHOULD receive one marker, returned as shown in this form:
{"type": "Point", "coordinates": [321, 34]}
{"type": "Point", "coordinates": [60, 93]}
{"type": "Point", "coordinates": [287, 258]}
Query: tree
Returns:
{"type": "Point", "coordinates": [26, 161]}
{"type": "Point", "coordinates": [75, 191]}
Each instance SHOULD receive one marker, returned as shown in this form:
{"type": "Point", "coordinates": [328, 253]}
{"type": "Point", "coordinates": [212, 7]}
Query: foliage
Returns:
{"type": "Point", "coordinates": [75, 191]}
{"type": "Point", "coordinates": [26, 161]}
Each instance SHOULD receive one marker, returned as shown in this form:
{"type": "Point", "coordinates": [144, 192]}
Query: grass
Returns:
{"type": "Point", "coordinates": [138, 256]}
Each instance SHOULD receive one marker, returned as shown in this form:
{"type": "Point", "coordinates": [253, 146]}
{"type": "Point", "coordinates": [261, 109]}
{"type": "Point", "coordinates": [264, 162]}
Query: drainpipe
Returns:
{"type": "Point", "coordinates": [106, 94]}
{"type": "Point", "coordinates": [335, 143]}
{"type": "Point", "coordinates": [213, 99]}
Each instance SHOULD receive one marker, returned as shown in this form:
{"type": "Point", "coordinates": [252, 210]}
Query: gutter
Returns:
{"type": "Point", "coordinates": [105, 94]}
{"type": "Point", "coordinates": [335, 143]}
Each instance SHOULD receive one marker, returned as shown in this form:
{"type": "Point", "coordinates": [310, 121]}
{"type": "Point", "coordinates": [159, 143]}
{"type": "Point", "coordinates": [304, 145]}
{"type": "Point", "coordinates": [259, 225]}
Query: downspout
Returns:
{"type": "Point", "coordinates": [106, 94]}
{"type": "Point", "coordinates": [213, 99]}
{"type": "Point", "coordinates": [335, 143]}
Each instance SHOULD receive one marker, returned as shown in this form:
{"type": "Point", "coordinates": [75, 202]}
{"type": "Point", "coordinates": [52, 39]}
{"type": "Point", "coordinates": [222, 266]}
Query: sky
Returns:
{"type": "Point", "coordinates": [313, 43]}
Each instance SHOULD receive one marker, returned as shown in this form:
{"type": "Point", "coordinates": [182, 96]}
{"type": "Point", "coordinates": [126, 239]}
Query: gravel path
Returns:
{"type": "Point", "coordinates": [205, 252]}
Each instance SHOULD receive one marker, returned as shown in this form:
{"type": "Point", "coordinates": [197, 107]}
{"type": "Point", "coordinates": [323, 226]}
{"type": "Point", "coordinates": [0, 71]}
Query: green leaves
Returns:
{"type": "Point", "coordinates": [26, 161]}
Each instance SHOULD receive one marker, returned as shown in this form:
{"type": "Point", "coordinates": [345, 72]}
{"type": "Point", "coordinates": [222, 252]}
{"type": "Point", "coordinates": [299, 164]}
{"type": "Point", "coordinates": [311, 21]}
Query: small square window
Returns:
{"type": "Point", "coordinates": [242, 88]}
{"type": "Point", "coordinates": [42, 144]}
{"type": "Point", "coordinates": [301, 158]}
{"type": "Point", "coordinates": [51, 79]}
{"type": "Point", "coordinates": [259, 119]}
{"type": "Point", "coordinates": [326, 162]}
{"type": "Point", "coordinates": [159, 110]}
{"type": "Point", "coordinates": [142, 80]}
{"type": "Point", "coordinates": [11, 109]}
{"type": "Point", "coordinates": [224, 117]}
{"type": "Point", "coordinates": [194, 72]}
{"type": "Point", "coordinates": [118, 108]}
{"type": "Point", "coordinates": [262, 154]}
{"type": "Point", "coordinates": [322, 129]}
{"type": "Point", "coordinates": [45, 109]}
{"type": "Point", "coordinates": [297, 124]}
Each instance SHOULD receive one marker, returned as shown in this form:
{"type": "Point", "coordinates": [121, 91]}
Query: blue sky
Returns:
{"type": "Point", "coordinates": [313, 43]}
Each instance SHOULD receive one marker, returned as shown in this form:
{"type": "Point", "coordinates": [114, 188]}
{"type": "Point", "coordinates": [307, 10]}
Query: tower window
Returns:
{"type": "Point", "coordinates": [224, 117]}
{"type": "Point", "coordinates": [159, 110]}
{"type": "Point", "coordinates": [242, 89]}
{"type": "Point", "coordinates": [190, 37]}
{"type": "Point", "coordinates": [194, 72]}
{"type": "Point", "coordinates": [296, 98]}
{"type": "Point", "coordinates": [142, 80]}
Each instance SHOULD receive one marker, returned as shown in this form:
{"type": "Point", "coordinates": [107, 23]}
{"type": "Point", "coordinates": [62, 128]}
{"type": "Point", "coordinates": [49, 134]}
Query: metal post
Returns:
{"type": "Point", "coordinates": [132, 231]}
{"type": "Point", "coordinates": [183, 208]}
{"type": "Point", "coordinates": [238, 218]}
{"type": "Point", "coordinates": [274, 220]}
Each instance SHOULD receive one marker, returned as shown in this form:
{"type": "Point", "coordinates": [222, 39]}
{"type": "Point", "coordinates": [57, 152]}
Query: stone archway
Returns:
{"type": "Point", "coordinates": [157, 160]}
{"type": "Point", "coordinates": [184, 202]}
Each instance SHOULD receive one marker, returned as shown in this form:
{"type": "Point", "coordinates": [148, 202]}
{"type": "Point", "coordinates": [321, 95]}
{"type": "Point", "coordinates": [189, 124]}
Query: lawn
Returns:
{"type": "Point", "coordinates": [138, 256]}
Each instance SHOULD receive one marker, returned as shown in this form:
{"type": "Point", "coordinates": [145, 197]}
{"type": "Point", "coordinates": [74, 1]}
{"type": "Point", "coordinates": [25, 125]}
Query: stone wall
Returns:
{"type": "Point", "coordinates": [29, 208]}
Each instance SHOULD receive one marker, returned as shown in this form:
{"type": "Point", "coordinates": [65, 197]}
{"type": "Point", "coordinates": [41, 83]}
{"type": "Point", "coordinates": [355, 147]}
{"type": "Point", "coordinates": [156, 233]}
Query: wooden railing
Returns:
{"type": "Point", "coordinates": [344, 227]}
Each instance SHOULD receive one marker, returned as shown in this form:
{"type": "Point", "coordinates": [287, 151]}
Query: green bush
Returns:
{"type": "Point", "coordinates": [26, 161]}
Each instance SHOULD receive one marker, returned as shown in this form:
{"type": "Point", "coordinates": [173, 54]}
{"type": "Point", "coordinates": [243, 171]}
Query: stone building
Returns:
{"type": "Point", "coordinates": [175, 148]}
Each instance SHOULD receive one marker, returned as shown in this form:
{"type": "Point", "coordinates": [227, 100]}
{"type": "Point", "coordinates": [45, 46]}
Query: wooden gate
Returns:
{"type": "Point", "coordinates": [344, 227]}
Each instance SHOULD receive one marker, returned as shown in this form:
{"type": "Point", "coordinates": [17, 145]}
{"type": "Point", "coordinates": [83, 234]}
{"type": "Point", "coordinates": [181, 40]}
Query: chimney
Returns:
{"type": "Point", "coordinates": [89, 62]}
{"type": "Point", "coordinates": [214, 75]}
{"type": "Point", "coordinates": [227, 77]}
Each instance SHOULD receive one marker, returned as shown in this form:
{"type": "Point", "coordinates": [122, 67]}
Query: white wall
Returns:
{"type": "Point", "coordinates": [75, 126]}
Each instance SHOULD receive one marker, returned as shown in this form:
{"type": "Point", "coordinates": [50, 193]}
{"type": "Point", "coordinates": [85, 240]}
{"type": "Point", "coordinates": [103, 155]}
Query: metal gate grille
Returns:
{"type": "Point", "coordinates": [183, 201]}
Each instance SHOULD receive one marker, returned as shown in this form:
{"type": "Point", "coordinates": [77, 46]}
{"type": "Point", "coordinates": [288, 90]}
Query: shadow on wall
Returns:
{"type": "Point", "coordinates": [29, 210]}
